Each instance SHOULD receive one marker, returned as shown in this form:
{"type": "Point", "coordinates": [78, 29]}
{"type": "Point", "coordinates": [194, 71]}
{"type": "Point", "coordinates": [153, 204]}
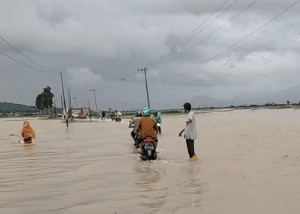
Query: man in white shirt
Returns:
{"type": "Point", "coordinates": [190, 133]}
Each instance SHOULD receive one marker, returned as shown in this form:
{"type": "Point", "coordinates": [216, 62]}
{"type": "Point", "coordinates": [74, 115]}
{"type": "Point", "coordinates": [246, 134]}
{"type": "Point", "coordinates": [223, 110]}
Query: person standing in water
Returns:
{"type": "Point", "coordinates": [190, 133]}
{"type": "Point", "coordinates": [103, 115]}
{"type": "Point", "coordinates": [27, 132]}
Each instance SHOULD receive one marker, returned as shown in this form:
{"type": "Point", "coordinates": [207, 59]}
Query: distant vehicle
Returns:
{"type": "Point", "coordinates": [116, 116]}
{"type": "Point", "coordinates": [81, 113]}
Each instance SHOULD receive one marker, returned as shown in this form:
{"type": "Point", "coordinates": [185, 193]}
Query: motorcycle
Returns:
{"type": "Point", "coordinates": [135, 136]}
{"type": "Point", "coordinates": [159, 128]}
{"type": "Point", "coordinates": [115, 118]}
{"type": "Point", "coordinates": [131, 124]}
{"type": "Point", "coordinates": [148, 149]}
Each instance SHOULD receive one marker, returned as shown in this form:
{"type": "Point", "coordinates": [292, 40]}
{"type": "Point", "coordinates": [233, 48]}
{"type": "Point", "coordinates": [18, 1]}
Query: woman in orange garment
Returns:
{"type": "Point", "coordinates": [27, 132]}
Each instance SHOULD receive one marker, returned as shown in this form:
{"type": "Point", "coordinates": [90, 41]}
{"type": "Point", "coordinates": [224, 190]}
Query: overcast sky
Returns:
{"type": "Point", "coordinates": [218, 49]}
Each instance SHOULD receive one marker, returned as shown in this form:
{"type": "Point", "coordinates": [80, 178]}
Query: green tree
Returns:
{"type": "Point", "coordinates": [48, 97]}
{"type": "Point", "coordinates": [39, 102]}
{"type": "Point", "coordinates": [45, 99]}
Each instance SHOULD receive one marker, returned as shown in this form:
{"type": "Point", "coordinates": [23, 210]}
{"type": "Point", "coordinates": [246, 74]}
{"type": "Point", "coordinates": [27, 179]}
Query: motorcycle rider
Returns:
{"type": "Point", "coordinates": [147, 127]}
{"type": "Point", "coordinates": [134, 132]}
{"type": "Point", "coordinates": [157, 118]}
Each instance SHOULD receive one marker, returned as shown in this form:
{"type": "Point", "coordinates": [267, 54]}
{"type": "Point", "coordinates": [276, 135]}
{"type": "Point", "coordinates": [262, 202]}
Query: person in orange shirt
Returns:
{"type": "Point", "coordinates": [147, 126]}
{"type": "Point", "coordinates": [27, 132]}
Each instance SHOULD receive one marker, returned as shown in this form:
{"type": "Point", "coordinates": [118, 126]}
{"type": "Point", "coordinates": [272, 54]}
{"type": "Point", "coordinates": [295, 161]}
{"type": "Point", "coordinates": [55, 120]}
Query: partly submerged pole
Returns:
{"type": "Point", "coordinates": [69, 98]}
{"type": "Point", "coordinates": [54, 109]}
{"type": "Point", "coordinates": [64, 99]}
{"type": "Point", "coordinates": [62, 104]}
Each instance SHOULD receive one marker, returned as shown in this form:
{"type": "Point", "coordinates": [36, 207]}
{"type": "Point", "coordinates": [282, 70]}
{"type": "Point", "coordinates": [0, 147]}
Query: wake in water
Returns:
{"type": "Point", "coordinates": [14, 138]}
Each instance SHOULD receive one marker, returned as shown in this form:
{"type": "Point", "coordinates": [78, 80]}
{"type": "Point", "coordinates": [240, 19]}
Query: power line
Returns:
{"type": "Point", "coordinates": [242, 72]}
{"type": "Point", "coordinates": [193, 33]}
{"type": "Point", "coordinates": [245, 37]}
{"type": "Point", "coordinates": [233, 17]}
{"type": "Point", "coordinates": [188, 37]}
{"type": "Point", "coordinates": [212, 33]}
{"type": "Point", "coordinates": [232, 74]}
{"type": "Point", "coordinates": [27, 57]}
{"type": "Point", "coordinates": [269, 34]}
{"type": "Point", "coordinates": [267, 62]}
{"type": "Point", "coordinates": [226, 9]}
{"type": "Point", "coordinates": [28, 66]}
{"type": "Point", "coordinates": [263, 37]}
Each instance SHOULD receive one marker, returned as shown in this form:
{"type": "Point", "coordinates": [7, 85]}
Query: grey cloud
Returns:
{"type": "Point", "coordinates": [106, 41]}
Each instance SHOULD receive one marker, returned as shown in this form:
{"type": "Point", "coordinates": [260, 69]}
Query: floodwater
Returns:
{"type": "Point", "coordinates": [249, 162]}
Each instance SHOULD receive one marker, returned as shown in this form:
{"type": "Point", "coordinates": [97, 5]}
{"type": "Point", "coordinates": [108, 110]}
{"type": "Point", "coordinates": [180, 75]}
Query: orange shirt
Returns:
{"type": "Point", "coordinates": [147, 128]}
{"type": "Point", "coordinates": [27, 131]}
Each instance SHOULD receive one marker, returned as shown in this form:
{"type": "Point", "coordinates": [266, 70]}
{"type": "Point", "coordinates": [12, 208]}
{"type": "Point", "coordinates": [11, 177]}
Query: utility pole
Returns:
{"type": "Point", "coordinates": [64, 99]}
{"type": "Point", "coordinates": [145, 72]}
{"type": "Point", "coordinates": [75, 99]}
{"type": "Point", "coordinates": [62, 105]}
{"type": "Point", "coordinates": [54, 109]}
{"type": "Point", "coordinates": [69, 98]}
{"type": "Point", "coordinates": [94, 90]}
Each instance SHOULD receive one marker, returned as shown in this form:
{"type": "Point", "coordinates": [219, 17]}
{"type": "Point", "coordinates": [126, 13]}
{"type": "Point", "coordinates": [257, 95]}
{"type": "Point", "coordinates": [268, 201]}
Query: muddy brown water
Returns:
{"type": "Point", "coordinates": [249, 162]}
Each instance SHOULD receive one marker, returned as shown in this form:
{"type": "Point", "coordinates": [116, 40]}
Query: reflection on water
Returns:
{"type": "Point", "coordinates": [94, 168]}
{"type": "Point", "coordinates": [29, 148]}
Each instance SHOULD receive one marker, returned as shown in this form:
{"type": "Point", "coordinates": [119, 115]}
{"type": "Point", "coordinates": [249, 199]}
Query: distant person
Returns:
{"type": "Point", "coordinates": [103, 115]}
{"type": "Point", "coordinates": [190, 133]}
{"type": "Point", "coordinates": [118, 116]}
{"type": "Point", "coordinates": [157, 118]}
{"type": "Point", "coordinates": [27, 132]}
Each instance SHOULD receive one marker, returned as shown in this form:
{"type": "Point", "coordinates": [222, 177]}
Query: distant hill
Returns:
{"type": "Point", "coordinates": [12, 107]}
{"type": "Point", "coordinates": [261, 98]}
